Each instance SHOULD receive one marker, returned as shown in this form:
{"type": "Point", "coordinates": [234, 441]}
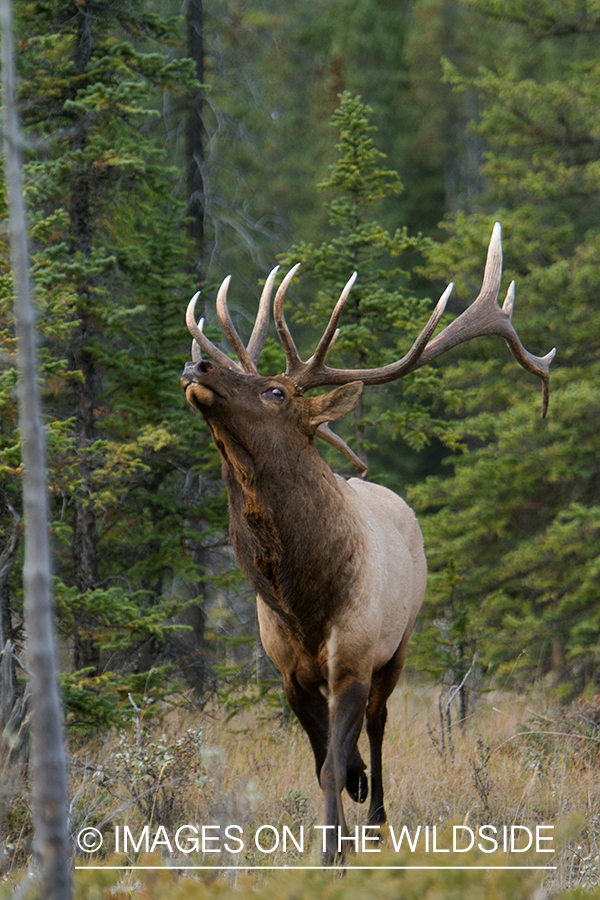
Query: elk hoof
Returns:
{"type": "Point", "coordinates": [357, 785]}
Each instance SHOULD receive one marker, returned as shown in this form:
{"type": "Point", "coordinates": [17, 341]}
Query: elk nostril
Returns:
{"type": "Point", "coordinates": [194, 370]}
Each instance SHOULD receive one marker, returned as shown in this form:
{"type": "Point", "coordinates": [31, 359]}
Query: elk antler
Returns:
{"type": "Point", "coordinates": [484, 316]}
{"type": "Point", "coordinates": [315, 373]}
{"type": "Point", "coordinates": [248, 356]}
{"type": "Point", "coordinates": [330, 437]}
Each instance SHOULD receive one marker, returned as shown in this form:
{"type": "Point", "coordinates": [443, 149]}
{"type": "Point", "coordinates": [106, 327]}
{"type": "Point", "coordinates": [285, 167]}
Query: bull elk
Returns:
{"type": "Point", "coordinates": [338, 566]}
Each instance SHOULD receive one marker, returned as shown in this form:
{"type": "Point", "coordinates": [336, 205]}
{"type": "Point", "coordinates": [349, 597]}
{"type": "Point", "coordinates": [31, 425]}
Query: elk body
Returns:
{"type": "Point", "coordinates": [338, 566]}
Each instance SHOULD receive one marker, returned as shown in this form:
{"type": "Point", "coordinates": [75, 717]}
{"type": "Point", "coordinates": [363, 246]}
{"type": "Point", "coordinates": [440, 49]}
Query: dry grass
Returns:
{"type": "Point", "coordinates": [193, 768]}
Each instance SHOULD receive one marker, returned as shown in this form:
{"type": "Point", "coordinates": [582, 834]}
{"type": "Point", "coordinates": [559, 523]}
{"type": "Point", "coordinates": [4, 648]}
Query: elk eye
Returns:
{"type": "Point", "coordinates": [275, 393]}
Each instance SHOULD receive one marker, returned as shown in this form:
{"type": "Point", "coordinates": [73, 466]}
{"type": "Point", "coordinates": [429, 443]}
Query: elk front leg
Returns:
{"type": "Point", "coordinates": [312, 711]}
{"type": "Point", "coordinates": [347, 712]}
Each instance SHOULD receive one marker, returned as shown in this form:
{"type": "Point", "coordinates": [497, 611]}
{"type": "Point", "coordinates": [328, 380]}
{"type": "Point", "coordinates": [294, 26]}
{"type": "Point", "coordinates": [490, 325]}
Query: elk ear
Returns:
{"type": "Point", "coordinates": [334, 404]}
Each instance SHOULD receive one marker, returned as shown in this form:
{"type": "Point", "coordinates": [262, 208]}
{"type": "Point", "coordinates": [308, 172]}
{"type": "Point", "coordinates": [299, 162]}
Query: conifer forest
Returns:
{"type": "Point", "coordinates": [167, 145]}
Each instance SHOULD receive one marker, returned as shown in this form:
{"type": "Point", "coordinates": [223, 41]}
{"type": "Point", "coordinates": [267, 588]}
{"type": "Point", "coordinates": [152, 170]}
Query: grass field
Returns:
{"type": "Point", "coordinates": [517, 761]}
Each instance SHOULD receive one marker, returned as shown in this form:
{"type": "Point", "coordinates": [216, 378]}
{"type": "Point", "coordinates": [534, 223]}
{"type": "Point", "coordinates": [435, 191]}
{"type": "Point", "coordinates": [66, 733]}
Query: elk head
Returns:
{"type": "Point", "coordinates": [220, 390]}
{"type": "Point", "coordinates": [255, 418]}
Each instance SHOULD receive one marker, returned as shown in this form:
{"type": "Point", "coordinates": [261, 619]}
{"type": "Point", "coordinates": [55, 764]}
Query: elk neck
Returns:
{"type": "Point", "coordinates": [293, 531]}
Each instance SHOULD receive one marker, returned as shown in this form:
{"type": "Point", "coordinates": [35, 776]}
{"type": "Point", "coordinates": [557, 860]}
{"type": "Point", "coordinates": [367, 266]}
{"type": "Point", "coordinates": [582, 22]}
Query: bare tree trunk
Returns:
{"type": "Point", "coordinates": [194, 616]}
{"type": "Point", "coordinates": [48, 763]}
{"type": "Point", "coordinates": [85, 526]}
{"type": "Point", "coordinates": [195, 136]}
{"type": "Point", "coordinates": [7, 559]}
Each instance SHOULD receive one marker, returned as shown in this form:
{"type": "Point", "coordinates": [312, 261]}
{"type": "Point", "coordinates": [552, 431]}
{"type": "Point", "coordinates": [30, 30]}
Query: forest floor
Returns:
{"type": "Point", "coordinates": [248, 789]}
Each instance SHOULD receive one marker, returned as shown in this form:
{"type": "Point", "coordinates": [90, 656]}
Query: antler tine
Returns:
{"type": "Point", "coordinates": [509, 302]}
{"type": "Point", "coordinates": [294, 363]}
{"type": "Point", "coordinates": [229, 328]}
{"type": "Point", "coordinates": [196, 352]}
{"type": "Point", "coordinates": [336, 335]}
{"type": "Point", "coordinates": [331, 332]}
{"type": "Point", "coordinates": [492, 273]}
{"type": "Point", "coordinates": [261, 325]}
{"type": "Point", "coordinates": [484, 316]}
{"type": "Point", "coordinates": [202, 341]}
{"type": "Point", "coordinates": [311, 376]}
{"type": "Point", "coordinates": [539, 365]}
{"type": "Point", "coordinates": [326, 434]}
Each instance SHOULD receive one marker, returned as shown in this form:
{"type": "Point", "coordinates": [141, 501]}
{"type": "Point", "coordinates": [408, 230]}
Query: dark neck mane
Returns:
{"type": "Point", "coordinates": [289, 529]}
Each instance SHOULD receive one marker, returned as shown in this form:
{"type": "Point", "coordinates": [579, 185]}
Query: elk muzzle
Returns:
{"type": "Point", "coordinates": [197, 394]}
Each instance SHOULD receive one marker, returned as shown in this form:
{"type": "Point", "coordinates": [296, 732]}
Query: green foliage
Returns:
{"type": "Point", "coordinates": [126, 468]}
{"type": "Point", "coordinates": [519, 517]}
{"type": "Point", "coordinates": [104, 701]}
{"type": "Point", "coordinates": [445, 641]}
{"type": "Point", "coordinates": [379, 883]}
{"type": "Point", "coordinates": [382, 317]}
{"type": "Point", "coordinates": [239, 692]}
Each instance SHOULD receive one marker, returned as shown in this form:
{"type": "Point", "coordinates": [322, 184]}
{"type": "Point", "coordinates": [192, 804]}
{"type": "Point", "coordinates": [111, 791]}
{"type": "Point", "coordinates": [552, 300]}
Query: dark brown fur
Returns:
{"type": "Point", "coordinates": [282, 509]}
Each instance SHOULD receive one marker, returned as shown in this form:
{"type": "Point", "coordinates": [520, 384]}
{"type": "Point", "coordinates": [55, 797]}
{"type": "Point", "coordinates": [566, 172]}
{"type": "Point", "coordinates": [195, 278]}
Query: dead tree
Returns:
{"type": "Point", "coordinates": [48, 763]}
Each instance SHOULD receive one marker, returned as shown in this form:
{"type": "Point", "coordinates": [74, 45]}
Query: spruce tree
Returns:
{"type": "Point", "coordinates": [383, 316]}
{"type": "Point", "coordinates": [519, 517]}
{"type": "Point", "coordinates": [110, 254]}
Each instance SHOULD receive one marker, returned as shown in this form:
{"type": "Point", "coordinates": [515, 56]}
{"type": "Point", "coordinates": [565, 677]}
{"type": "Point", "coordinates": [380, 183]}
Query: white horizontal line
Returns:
{"type": "Point", "coordinates": [341, 866]}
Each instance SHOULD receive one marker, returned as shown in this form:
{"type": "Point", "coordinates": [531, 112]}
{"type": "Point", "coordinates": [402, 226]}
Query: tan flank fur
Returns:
{"type": "Point", "coordinates": [338, 566]}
